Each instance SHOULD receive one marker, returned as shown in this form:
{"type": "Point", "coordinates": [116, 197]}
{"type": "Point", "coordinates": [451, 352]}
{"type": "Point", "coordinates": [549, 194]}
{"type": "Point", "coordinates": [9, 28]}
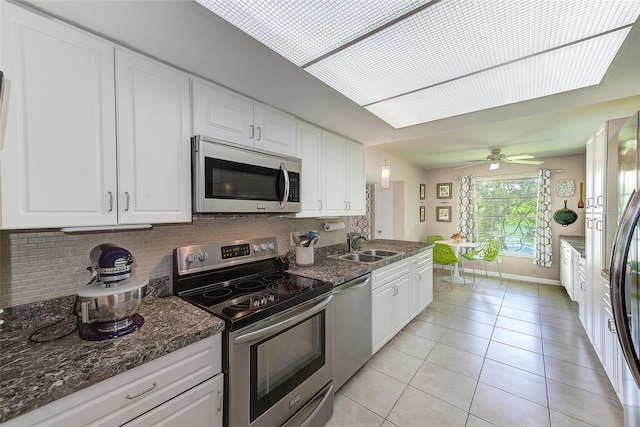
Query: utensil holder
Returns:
{"type": "Point", "coordinates": [304, 255]}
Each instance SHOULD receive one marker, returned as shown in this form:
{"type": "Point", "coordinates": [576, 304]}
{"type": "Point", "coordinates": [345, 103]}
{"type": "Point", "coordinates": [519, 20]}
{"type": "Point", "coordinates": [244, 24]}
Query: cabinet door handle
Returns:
{"type": "Point", "coordinates": [110, 201]}
{"type": "Point", "coordinates": [598, 225]}
{"type": "Point", "coordinates": [126, 196]}
{"type": "Point", "coordinates": [600, 201]}
{"type": "Point", "coordinates": [259, 133]}
{"type": "Point", "coordinates": [135, 396]}
{"type": "Point", "coordinates": [320, 204]}
{"type": "Point", "coordinates": [419, 277]}
{"type": "Point", "coordinates": [582, 286]}
{"type": "Point", "coordinates": [611, 325]}
{"type": "Point", "coordinates": [220, 401]}
{"type": "Point", "coordinates": [251, 131]}
{"type": "Point", "coordinates": [589, 223]}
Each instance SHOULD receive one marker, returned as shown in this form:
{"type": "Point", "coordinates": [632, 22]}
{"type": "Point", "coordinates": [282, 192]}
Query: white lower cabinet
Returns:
{"type": "Point", "coordinates": [200, 406]}
{"type": "Point", "coordinates": [391, 309]}
{"type": "Point", "coordinates": [422, 265]}
{"type": "Point", "coordinates": [566, 268]}
{"type": "Point", "coordinates": [399, 292]}
{"type": "Point", "coordinates": [611, 353]}
{"type": "Point", "coordinates": [184, 387]}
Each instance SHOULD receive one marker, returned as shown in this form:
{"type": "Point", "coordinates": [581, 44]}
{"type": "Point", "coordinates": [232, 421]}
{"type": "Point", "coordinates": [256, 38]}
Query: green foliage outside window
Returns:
{"type": "Point", "coordinates": [506, 211]}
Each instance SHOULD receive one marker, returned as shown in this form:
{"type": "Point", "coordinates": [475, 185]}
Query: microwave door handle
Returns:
{"type": "Point", "coordinates": [285, 196]}
{"type": "Point", "coordinates": [623, 240]}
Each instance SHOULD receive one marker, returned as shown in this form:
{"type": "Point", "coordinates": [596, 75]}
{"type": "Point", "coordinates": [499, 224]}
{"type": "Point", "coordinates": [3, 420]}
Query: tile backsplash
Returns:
{"type": "Point", "coordinates": [37, 265]}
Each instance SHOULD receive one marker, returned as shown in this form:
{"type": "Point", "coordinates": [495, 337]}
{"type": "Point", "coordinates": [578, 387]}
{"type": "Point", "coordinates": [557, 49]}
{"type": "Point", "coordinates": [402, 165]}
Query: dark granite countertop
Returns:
{"type": "Point", "coordinates": [32, 375]}
{"type": "Point", "coordinates": [577, 242]}
{"type": "Point", "coordinates": [337, 271]}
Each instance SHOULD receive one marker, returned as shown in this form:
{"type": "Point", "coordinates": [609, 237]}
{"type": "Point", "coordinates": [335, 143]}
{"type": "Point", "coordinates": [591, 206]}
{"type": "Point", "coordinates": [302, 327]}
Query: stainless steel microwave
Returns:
{"type": "Point", "coordinates": [231, 178]}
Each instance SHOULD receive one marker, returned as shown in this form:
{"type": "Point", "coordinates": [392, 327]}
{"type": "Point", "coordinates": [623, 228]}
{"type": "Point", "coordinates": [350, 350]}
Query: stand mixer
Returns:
{"type": "Point", "coordinates": [108, 304]}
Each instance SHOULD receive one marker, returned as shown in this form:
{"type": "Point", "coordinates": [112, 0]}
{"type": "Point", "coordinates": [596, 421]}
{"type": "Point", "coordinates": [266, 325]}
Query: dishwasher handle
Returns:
{"type": "Point", "coordinates": [353, 285]}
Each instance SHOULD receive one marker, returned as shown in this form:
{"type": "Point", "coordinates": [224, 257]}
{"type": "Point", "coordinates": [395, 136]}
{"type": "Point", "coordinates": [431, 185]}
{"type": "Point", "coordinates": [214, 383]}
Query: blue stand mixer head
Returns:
{"type": "Point", "coordinates": [111, 262]}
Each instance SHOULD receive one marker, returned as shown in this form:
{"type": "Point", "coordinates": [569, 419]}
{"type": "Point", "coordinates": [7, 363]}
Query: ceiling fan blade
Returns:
{"type": "Point", "coordinates": [527, 162]}
{"type": "Point", "coordinates": [520, 157]}
{"type": "Point", "coordinates": [477, 161]}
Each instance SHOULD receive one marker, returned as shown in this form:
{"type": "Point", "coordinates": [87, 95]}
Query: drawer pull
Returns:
{"type": "Point", "coordinates": [612, 327]}
{"type": "Point", "coordinates": [135, 396]}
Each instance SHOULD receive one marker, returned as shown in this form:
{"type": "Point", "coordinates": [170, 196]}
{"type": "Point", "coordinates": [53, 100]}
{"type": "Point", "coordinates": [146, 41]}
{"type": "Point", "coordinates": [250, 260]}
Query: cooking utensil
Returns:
{"type": "Point", "coordinates": [565, 216]}
{"type": "Point", "coordinates": [295, 238]}
{"type": "Point", "coordinates": [580, 202]}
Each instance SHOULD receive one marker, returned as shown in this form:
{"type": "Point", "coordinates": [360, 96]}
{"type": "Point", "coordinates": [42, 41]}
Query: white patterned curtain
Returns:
{"type": "Point", "coordinates": [467, 208]}
{"type": "Point", "coordinates": [542, 254]}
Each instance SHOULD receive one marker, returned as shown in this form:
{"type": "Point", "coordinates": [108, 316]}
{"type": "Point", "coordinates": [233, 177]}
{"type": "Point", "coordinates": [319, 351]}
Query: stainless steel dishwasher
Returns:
{"type": "Point", "coordinates": [352, 339]}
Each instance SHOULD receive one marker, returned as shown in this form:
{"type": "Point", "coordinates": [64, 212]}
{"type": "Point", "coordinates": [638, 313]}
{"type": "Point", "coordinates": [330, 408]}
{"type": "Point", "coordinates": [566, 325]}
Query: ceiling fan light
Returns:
{"type": "Point", "coordinates": [494, 165]}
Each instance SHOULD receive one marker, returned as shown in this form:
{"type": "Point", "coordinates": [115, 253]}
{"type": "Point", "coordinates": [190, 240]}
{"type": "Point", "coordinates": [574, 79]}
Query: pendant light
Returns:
{"type": "Point", "coordinates": [385, 172]}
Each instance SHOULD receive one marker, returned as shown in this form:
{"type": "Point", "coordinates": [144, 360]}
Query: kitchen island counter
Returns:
{"type": "Point", "coordinates": [32, 374]}
{"type": "Point", "coordinates": [336, 271]}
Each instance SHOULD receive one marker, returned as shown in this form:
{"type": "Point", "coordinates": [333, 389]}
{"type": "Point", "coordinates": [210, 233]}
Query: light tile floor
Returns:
{"type": "Point", "coordinates": [484, 355]}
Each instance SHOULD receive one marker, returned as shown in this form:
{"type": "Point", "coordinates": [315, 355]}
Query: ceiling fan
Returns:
{"type": "Point", "coordinates": [495, 158]}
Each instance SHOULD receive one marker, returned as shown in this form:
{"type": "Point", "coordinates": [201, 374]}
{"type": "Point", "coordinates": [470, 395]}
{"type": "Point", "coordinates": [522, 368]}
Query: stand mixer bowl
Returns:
{"type": "Point", "coordinates": [110, 311]}
{"type": "Point", "coordinates": [110, 304]}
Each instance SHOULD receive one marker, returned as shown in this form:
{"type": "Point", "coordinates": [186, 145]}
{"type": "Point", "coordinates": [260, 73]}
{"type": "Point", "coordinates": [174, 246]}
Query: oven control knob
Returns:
{"type": "Point", "coordinates": [263, 246]}
{"type": "Point", "coordinates": [272, 245]}
{"type": "Point", "coordinates": [256, 248]}
{"type": "Point", "coordinates": [190, 258]}
{"type": "Point", "coordinates": [202, 256]}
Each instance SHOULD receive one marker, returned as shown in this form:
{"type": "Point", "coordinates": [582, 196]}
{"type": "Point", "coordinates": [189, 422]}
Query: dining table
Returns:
{"type": "Point", "coordinates": [456, 245]}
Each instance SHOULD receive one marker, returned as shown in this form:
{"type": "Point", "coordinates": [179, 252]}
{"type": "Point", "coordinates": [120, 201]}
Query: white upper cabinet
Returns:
{"type": "Point", "coordinates": [62, 163]}
{"type": "Point", "coordinates": [310, 151]}
{"type": "Point", "coordinates": [334, 166]}
{"type": "Point", "coordinates": [154, 173]}
{"type": "Point", "coordinates": [333, 174]}
{"type": "Point", "coordinates": [222, 114]}
{"type": "Point", "coordinates": [58, 152]}
{"type": "Point", "coordinates": [355, 179]}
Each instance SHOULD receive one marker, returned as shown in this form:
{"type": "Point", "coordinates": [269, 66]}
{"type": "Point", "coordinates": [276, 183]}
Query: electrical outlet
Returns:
{"type": "Point", "coordinates": [499, 260]}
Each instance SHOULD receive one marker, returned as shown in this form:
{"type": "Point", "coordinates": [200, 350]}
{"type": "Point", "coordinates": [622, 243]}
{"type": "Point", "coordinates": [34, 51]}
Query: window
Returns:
{"type": "Point", "coordinates": [506, 211]}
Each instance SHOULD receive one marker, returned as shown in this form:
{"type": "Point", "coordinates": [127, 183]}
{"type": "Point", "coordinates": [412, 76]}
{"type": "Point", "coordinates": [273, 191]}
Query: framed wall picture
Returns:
{"type": "Point", "coordinates": [443, 190]}
{"type": "Point", "coordinates": [422, 192]}
{"type": "Point", "coordinates": [443, 213]}
{"type": "Point", "coordinates": [422, 213]}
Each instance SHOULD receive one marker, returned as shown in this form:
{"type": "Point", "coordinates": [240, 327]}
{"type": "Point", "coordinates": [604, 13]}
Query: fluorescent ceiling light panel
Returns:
{"type": "Point", "coordinates": [573, 67]}
{"type": "Point", "coordinates": [413, 61]}
{"type": "Point", "coordinates": [450, 40]}
{"type": "Point", "coordinates": [304, 30]}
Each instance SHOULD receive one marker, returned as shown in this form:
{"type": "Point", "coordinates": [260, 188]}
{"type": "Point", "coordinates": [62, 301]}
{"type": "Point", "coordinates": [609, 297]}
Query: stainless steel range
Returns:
{"type": "Point", "coordinates": [278, 356]}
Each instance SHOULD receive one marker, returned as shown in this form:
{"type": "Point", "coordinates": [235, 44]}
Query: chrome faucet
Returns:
{"type": "Point", "coordinates": [354, 241]}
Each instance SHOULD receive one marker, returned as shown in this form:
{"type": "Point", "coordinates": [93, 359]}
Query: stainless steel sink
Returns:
{"type": "Point", "coordinates": [379, 252]}
{"type": "Point", "coordinates": [360, 257]}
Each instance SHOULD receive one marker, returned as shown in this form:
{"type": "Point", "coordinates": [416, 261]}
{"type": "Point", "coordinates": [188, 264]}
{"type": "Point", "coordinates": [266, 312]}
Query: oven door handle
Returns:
{"type": "Point", "coordinates": [251, 337]}
{"type": "Point", "coordinates": [285, 195]}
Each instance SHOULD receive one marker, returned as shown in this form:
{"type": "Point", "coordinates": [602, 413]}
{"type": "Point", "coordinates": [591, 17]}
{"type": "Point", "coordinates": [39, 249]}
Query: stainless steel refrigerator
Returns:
{"type": "Point", "coordinates": [625, 263]}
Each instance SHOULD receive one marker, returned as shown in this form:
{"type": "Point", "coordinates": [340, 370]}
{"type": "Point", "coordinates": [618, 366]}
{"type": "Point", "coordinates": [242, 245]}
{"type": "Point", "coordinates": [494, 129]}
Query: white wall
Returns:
{"type": "Point", "coordinates": [411, 176]}
{"type": "Point", "coordinates": [573, 168]}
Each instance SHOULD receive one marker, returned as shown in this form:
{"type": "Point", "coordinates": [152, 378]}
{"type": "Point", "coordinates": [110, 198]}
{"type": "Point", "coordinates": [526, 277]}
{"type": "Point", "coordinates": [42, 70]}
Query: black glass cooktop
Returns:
{"type": "Point", "coordinates": [244, 301]}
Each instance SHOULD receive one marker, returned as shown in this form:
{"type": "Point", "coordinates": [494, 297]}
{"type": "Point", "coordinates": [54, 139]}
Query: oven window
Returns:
{"type": "Point", "coordinates": [231, 180]}
{"type": "Point", "coordinates": [281, 363]}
